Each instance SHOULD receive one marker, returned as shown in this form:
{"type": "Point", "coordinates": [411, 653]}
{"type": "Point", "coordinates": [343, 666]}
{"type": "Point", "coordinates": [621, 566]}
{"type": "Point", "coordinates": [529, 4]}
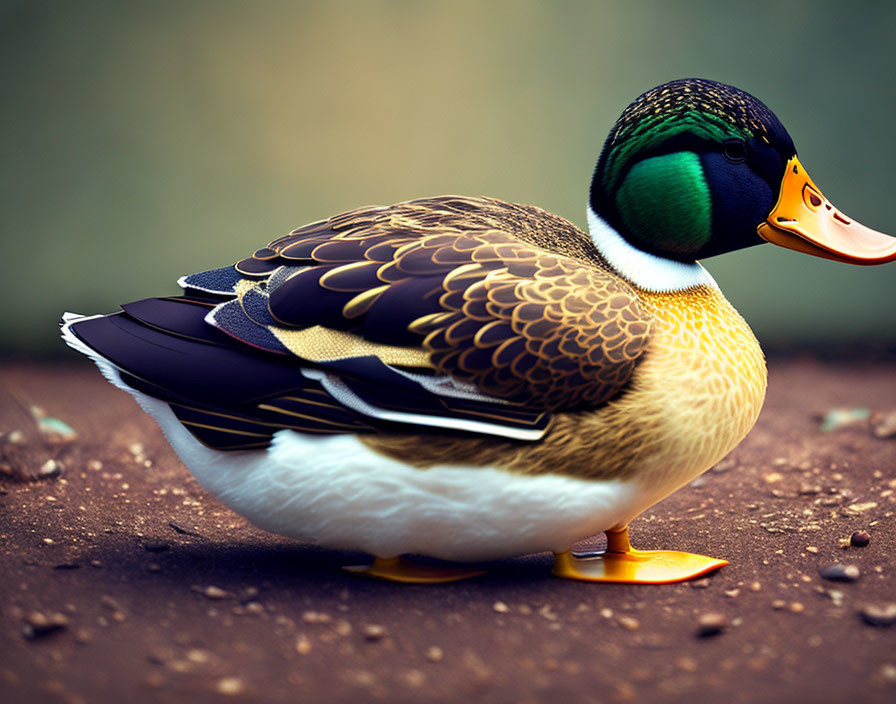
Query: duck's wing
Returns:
{"type": "Point", "coordinates": [447, 313]}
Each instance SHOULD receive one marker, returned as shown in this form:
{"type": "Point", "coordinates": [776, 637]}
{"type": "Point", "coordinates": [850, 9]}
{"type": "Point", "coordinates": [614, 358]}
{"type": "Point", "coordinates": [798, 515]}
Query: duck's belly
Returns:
{"type": "Point", "coordinates": [336, 492]}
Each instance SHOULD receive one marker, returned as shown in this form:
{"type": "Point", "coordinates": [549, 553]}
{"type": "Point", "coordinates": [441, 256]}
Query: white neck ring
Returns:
{"type": "Point", "coordinates": [646, 271]}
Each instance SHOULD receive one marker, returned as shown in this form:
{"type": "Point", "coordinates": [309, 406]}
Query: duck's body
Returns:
{"type": "Point", "coordinates": [463, 378]}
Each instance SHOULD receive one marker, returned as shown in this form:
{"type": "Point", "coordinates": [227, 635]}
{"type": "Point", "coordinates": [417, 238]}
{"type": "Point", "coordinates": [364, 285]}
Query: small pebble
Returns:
{"type": "Point", "coordinates": [887, 672]}
{"type": "Point", "coordinates": [812, 549]}
{"type": "Point", "coordinates": [725, 465]}
{"type": "Point", "coordinates": [500, 607]}
{"type": "Point", "coordinates": [178, 665]}
{"type": "Point", "coordinates": [56, 430]}
{"type": "Point", "coordinates": [711, 624]}
{"type": "Point", "coordinates": [434, 654]}
{"type": "Point", "coordinates": [884, 424]}
{"type": "Point", "coordinates": [198, 656]}
{"type": "Point", "coordinates": [688, 664]}
{"type": "Point", "coordinates": [373, 632]}
{"type": "Point", "coordinates": [859, 507]}
{"type": "Point", "coordinates": [39, 624]}
{"type": "Point", "coordinates": [303, 645]}
{"type": "Point", "coordinates": [230, 686]}
{"type": "Point", "coordinates": [212, 592]}
{"type": "Point", "coordinates": [316, 617]}
{"type": "Point", "coordinates": [779, 604]}
{"type": "Point", "coordinates": [839, 573]}
{"type": "Point", "coordinates": [50, 468]}
{"type": "Point", "coordinates": [629, 623]}
{"type": "Point", "coordinates": [546, 613]}
{"type": "Point", "coordinates": [699, 583]}
{"type": "Point", "coordinates": [860, 539]}
{"type": "Point", "coordinates": [882, 615]}
{"type": "Point", "coordinates": [837, 418]}
{"type": "Point", "coordinates": [16, 437]}
{"type": "Point", "coordinates": [834, 595]}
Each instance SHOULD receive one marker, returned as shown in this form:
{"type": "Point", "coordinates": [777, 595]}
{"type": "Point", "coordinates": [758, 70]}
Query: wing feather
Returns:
{"type": "Point", "coordinates": [466, 281]}
{"type": "Point", "coordinates": [468, 315]}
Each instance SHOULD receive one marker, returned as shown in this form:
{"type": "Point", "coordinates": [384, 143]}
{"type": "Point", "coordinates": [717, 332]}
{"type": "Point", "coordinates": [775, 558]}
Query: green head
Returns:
{"type": "Point", "coordinates": [690, 169]}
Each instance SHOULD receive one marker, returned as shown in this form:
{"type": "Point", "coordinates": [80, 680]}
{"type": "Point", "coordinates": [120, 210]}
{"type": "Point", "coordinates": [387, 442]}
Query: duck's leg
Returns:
{"type": "Point", "coordinates": [622, 563]}
{"type": "Point", "coordinates": [400, 569]}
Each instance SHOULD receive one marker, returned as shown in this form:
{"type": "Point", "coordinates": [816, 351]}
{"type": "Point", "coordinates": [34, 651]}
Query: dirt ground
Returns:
{"type": "Point", "coordinates": [122, 580]}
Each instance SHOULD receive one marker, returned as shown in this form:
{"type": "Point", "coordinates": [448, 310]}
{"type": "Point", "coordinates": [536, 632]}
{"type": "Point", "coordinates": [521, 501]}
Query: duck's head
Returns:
{"type": "Point", "coordinates": [695, 168]}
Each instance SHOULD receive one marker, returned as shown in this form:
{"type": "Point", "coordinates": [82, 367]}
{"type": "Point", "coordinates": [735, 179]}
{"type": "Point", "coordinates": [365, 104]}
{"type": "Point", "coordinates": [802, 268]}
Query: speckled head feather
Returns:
{"type": "Point", "coordinates": [674, 169]}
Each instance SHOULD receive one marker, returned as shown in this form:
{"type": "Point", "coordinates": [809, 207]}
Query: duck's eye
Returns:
{"type": "Point", "coordinates": [735, 151]}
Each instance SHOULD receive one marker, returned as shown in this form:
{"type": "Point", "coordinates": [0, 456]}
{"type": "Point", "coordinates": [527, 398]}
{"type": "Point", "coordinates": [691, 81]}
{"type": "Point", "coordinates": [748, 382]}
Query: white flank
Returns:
{"type": "Point", "coordinates": [647, 271]}
{"type": "Point", "coordinates": [336, 492]}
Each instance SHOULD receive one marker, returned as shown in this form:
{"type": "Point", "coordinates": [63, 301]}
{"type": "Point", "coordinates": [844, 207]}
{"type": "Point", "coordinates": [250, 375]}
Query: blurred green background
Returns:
{"type": "Point", "coordinates": [142, 141]}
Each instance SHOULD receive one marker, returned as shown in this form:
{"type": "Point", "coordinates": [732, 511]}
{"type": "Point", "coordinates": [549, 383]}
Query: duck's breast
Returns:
{"type": "Point", "coordinates": [700, 387]}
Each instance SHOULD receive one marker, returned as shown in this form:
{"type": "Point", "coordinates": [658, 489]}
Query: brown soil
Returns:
{"type": "Point", "coordinates": [159, 593]}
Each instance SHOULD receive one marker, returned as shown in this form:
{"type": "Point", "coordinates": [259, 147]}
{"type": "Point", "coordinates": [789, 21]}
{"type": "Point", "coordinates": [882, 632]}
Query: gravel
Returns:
{"type": "Point", "coordinates": [446, 642]}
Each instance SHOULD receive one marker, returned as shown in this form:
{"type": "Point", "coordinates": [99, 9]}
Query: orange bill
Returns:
{"type": "Point", "coordinates": [805, 221]}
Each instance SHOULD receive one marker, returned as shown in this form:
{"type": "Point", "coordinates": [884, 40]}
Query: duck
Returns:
{"type": "Point", "coordinates": [469, 379]}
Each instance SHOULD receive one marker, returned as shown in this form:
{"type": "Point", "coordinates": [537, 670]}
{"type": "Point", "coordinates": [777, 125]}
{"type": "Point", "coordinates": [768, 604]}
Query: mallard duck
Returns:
{"type": "Point", "coordinates": [471, 379]}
